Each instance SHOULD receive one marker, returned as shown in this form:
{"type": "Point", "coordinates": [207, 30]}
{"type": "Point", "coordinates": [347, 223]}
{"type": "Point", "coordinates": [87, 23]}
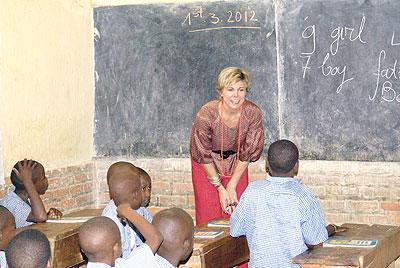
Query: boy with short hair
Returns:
{"type": "Point", "coordinates": [100, 240]}
{"type": "Point", "coordinates": [279, 216]}
{"type": "Point", "coordinates": [7, 231]}
{"type": "Point", "coordinates": [29, 249]}
{"type": "Point", "coordinates": [177, 228]}
{"type": "Point", "coordinates": [23, 200]}
{"type": "Point", "coordinates": [125, 187]}
{"type": "Point", "coordinates": [145, 181]}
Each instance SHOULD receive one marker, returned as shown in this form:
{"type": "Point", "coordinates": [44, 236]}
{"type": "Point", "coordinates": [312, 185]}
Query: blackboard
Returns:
{"type": "Point", "coordinates": [336, 102]}
{"type": "Point", "coordinates": [156, 65]}
{"type": "Point", "coordinates": [325, 74]}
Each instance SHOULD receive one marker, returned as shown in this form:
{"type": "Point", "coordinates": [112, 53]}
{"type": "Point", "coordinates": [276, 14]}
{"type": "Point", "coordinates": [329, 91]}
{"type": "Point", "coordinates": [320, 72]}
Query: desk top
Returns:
{"type": "Point", "coordinates": [221, 251]}
{"type": "Point", "coordinates": [63, 238]}
{"type": "Point", "coordinates": [386, 251]}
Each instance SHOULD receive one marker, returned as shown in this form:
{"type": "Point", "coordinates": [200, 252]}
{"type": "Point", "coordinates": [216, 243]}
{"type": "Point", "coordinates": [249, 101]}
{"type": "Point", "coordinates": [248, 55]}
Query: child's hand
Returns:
{"type": "Point", "coordinates": [123, 209]}
{"type": "Point", "coordinates": [25, 170]}
{"type": "Point", "coordinates": [341, 229]}
{"type": "Point", "coordinates": [54, 213]}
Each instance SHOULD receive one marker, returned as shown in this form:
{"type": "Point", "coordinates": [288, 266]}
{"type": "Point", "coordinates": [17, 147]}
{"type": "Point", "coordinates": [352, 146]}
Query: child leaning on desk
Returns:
{"type": "Point", "coordinates": [279, 216]}
{"type": "Point", "coordinates": [23, 200]}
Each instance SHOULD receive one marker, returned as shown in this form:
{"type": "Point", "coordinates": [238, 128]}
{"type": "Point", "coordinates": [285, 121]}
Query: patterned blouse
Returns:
{"type": "Point", "coordinates": [205, 142]}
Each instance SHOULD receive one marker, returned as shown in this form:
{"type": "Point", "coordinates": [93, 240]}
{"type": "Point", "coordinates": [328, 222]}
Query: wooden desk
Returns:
{"type": "Point", "coordinates": [386, 251]}
{"type": "Point", "coordinates": [63, 239]}
{"type": "Point", "coordinates": [222, 251]}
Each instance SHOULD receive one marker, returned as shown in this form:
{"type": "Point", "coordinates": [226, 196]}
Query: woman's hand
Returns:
{"type": "Point", "coordinates": [231, 189]}
{"type": "Point", "coordinates": [224, 200]}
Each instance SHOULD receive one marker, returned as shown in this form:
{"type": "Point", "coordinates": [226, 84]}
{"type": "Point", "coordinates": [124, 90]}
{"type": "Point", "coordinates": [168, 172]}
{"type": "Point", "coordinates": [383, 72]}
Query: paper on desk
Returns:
{"type": "Point", "coordinates": [70, 219]}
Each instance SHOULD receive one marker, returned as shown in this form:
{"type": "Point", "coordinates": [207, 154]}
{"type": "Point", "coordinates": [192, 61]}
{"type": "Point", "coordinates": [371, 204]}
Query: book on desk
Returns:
{"type": "Point", "coordinates": [219, 223]}
{"type": "Point", "coordinates": [207, 233]}
{"type": "Point", "coordinates": [337, 242]}
{"type": "Point", "coordinates": [80, 219]}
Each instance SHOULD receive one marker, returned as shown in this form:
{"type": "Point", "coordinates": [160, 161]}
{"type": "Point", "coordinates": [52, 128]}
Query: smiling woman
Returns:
{"type": "Point", "coordinates": [227, 134]}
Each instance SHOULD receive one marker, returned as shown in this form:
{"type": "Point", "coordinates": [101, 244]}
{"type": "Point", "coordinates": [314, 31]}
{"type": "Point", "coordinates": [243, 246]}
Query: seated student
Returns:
{"type": "Point", "coordinates": [100, 240]}
{"type": "Point", "coordinates": [124, 187]}
{"type": "Point", "coordinates": [279, 216]}
{"type": "Point", "coordinates": [29, 249]}
{"type": "Point", "coordinates": [177, 228]}
{"type": "Point", "coordinates": [136, 237]}
{"type": "Point", "coordinates": [24, 202]}
{"type": "Point", "coordinates": [145, 181]}
{"type": "Point", "coordinates": [7, 231]}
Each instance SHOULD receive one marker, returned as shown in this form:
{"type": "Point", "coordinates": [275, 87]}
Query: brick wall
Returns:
{"type": "Point", "coordinates": [70, 188]}
{"type": "Point", "coordinates": [358, 192]}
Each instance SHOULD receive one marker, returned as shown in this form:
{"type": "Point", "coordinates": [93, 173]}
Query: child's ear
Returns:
{"type": "Point", "coordinates": [186, 245]}
{"type": "Point", "coordinates": [117, 251]}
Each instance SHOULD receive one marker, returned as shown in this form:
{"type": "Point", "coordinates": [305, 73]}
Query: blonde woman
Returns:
{"type": "Point", "coordinates": [227, 135]}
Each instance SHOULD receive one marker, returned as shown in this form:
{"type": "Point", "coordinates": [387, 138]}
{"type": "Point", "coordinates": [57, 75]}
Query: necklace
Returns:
{"type": "Point", "coordinates": [222, 135]}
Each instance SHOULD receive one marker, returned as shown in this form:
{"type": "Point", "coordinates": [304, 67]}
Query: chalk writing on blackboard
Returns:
{"type": "Point", "coordinates": [209, 20]}
{"type": "Point", "coordinates": [339, 35]}
{"type": "Point", "coordinates": [388, 94]}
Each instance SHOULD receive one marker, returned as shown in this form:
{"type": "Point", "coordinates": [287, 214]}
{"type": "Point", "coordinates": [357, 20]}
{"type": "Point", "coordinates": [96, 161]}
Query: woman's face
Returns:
{"type": "Point", "coordinates": [234, 95]}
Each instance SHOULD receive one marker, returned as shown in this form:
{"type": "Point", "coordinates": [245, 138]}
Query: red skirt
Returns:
{"type": "Point", "coordinates": [206, 197]}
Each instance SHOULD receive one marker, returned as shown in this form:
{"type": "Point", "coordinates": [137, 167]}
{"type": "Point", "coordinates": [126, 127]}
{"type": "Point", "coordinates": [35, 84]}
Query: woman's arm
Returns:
{"type": "Point", "coordinates": [231, 186]}
{"type": "Point", "coordinates": [223, 194]}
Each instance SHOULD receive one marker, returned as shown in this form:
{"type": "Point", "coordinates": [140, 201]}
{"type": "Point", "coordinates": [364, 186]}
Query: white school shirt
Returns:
{"type": "Point", "coordinates": [142, 211]}
{"type": "Point", "coordinates": [127, 234]}
{"type": "Point", "coordinates": [17, 207]}
{"type": "Point", "coordinates": [97, 265]}
{"type": "Point", "coordinates": [3, 261]}
{"type": "Point", "coordinates": [140, 257]}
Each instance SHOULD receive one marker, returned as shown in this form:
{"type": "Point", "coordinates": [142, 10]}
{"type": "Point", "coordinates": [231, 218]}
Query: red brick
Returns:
{"type": "Point", "coordinates": [362, 206]}
{"type": "Point", "coordinates": [161, 187]}
{"type": "Point", "coordinates": [172, 201]}
{"type": "Point", "coordinates": [391, 206]}
{"type": "Point", "coordinates": [182, 188]}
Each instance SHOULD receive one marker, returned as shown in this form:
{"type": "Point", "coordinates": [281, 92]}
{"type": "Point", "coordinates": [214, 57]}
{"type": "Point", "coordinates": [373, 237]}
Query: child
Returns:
{"type": "Point", "coordinates": [124, 187]}
{"type": "Point", "coordinates": [29, 249]}
{"type": "Point", "coordinates": [177, 228]}
{"type": "Point", "coordinates": [100, 240]}
{"type": "Point", "coordinates": [279, 216]}
{"type": "Point", "coordinates": [24, 202]}
{"type": "Point", "coordinates": [145, 181]}
{"type": "Point", "coordinates": [7, 231]}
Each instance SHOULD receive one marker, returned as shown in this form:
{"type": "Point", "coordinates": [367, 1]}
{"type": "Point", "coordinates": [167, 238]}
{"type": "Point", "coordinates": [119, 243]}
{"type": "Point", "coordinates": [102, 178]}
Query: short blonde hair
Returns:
{"type": "Point", "coordinates": [231, 75]}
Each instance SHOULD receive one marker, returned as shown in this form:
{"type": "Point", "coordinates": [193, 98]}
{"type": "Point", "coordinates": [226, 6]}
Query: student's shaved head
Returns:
{"type": "Point", "coordinates": [125, 187]}
{"type": "Point", "coordinates": [282, 156]}
{"type": "Point", "coordinates": [28, 249]}
{"type": "Point", "coordinates": [121, 166]}
{"type": "Point", "coordinates": [97, 237]}
{"type": "Point", "coordinates": [177, 227]}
